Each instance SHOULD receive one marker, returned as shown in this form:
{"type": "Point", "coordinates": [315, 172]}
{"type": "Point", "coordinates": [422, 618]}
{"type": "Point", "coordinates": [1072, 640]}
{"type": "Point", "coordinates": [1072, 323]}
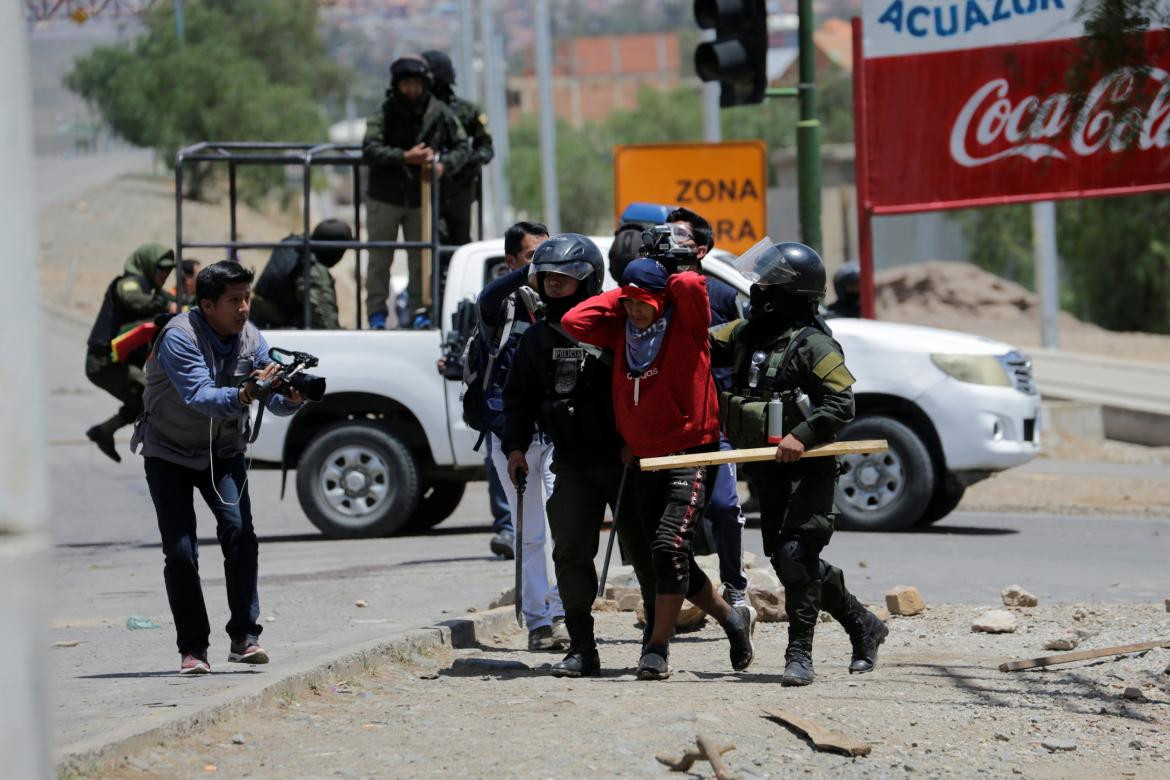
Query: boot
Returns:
{"type": "Point", "coordinates": [798, 665]}
{"type": "Point", "coordinates": [582, 659]}
{"type": "Point", "coordinates": [739, 628]}
{"type": "Point", "coordinates": [866, 633]}
{"type": "Point", "coordinates": [103, 436]}
{"type": "Point", "coordinates": [654, 664]}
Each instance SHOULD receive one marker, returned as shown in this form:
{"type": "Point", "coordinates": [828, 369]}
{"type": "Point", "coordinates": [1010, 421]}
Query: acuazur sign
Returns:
{"type": "Point", "coordinates": [895, 27]}
{"type": "Point", "coordinates": [948, 124]}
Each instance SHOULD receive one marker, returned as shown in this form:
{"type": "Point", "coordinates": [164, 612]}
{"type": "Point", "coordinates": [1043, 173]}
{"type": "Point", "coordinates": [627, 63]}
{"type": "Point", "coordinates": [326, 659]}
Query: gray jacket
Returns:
{"type": "Point", "coordinates": [172, 429]}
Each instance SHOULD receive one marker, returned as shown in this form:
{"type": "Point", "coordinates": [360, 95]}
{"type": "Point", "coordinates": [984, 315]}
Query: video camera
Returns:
{"type": "Point", "coordinates": [670, 245]}
{"type": "Point", "coordinates": [291, 374]}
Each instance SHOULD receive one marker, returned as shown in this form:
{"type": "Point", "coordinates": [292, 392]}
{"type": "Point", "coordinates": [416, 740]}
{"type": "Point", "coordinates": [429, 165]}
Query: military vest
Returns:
{"type": "Point", "coordinates": [757, 376]}
{"type": "Point", "coordinates": [113, 315]}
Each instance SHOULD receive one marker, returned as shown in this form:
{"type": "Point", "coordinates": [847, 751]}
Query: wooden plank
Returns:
{"type": "Point", "coordinates": [1081, 655]}
{"type": "Point", "coordinates": [760, 454]}
{"type": "Point", "coordinates": [427, 260]}
{"type": "Point", "coordinates": [821, 737]}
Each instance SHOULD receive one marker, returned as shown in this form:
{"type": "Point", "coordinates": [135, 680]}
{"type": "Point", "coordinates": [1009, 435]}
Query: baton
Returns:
{"type": "Point", "coordinates": [519, 551]}
{"type": "Point", "coordinates": [612, 531]}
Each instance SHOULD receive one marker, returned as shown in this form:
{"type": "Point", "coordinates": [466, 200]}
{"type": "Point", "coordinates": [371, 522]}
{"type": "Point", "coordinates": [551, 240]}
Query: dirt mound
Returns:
{"type": "Point", "coordinates": [954, 288]}
{"type": "Point", "coordinates": [964, 297]}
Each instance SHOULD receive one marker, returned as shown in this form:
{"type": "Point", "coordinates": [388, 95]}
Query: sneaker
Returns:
{"type": "Point", "coordinates": [378, 321]}
{"type": "Point", "coordinates": [420, 322]}
{"type": "Point", "coordinates": [734, 596]}
{"type": "Point", "coordinates": [504, 544]}
{"type": "Point", "coordinates": [578, 663]}
{"type": "Point", "coordinates": [194, 664]}
{"type": "Point", "coordinates": [561, 634]}
{"type": "Point", "coordinates": [739, 637]}
{"type": "Point", "coordinates": [104, 442]}
{"type": "Point", "coordinates": [248, 651]}
{"type": "Point", "coordinates": [541, 640]}
{"type": "Point", "coordinates": [653, 664]}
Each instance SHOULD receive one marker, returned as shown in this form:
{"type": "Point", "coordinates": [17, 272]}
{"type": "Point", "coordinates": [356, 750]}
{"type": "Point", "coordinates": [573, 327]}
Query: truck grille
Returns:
{"type": "Point", "coordinates": [1019, 368]}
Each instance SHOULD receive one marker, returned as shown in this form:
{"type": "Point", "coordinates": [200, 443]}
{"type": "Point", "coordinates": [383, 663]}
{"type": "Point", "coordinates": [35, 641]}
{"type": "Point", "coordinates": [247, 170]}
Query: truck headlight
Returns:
{"type": "Point", "coordinates": [976, 369]}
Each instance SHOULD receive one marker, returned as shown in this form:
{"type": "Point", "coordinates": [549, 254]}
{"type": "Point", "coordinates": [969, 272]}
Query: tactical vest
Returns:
{"type": "Point", "coordinates": [172, 430]}
{"type": "Point", "coordinates": [743, 413]}
{"type": "Point", "coordinates": [113, 315]}
{"type": "Point", "coordinates": [577, 411]}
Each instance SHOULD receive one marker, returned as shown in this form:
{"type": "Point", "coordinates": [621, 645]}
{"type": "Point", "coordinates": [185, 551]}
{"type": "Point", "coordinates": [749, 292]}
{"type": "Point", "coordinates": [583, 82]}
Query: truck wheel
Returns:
{"type": "Point", "coordinates": [883, 491]}
{"type": "Point", "coordinates": [357, 480]}
{"type": "Point", "coordinates": [437, 502]}
{"type": "Point", "coordinates": [946, 497]}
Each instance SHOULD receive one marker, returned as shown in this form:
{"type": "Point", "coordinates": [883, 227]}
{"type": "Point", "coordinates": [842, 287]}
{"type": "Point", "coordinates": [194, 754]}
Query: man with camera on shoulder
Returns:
{"type": "Point", "coordinates": [206, 368]}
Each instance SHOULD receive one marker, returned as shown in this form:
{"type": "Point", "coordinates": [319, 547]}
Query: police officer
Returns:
{"type": "Point", "coordinates": [565, 386]}
{"type": "Point", "coordinates": [847, 285]}
{"type": "Point", "coordinates": [278, 301]}
{"type": "Point", "coordinates": [460, 190]}
{"type": "Point", "coordinates": [786, 349]}
{"type": "Point", "coordinates": [137, 295]}
{"type": "Point", "coordinates": [401, 142]}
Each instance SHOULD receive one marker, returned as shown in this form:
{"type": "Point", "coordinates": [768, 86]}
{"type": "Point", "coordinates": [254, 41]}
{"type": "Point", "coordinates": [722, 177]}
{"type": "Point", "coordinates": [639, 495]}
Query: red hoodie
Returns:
{"type": "Point", "coordinates": [677, 407]}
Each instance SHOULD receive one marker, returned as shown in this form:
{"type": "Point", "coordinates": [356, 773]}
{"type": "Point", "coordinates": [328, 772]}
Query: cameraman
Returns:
{"type": "Point", "coordinates": [199, 386]}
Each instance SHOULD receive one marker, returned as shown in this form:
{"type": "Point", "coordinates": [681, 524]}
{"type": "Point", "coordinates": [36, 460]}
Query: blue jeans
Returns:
{"type": "Point", "coordinates": [171, 488]}
{"type": "Point", "coordinates": [727, 522]}
{"type": "Point", "coordinates": [501, 515]}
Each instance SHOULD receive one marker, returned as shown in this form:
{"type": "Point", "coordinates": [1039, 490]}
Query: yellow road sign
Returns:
{"type": "Point", "coordinates": [726, 183]}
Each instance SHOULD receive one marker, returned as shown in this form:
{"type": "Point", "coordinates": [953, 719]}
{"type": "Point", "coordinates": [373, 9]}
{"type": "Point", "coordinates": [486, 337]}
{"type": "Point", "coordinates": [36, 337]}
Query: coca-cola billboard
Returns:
{"type": "Point", "coordinates": [996, 124]}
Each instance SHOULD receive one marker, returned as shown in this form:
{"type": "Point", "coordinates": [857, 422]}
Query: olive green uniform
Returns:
{"type": "Point", "coordinates": [460, 191]}
{"type": "Point", "coordinates": [796, 499]}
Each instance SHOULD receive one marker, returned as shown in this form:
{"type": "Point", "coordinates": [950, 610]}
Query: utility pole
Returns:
{"type": "Point", "coordinates": [24, 549]}
{"type": "Point", "coordinates": [1047, 282]}
{"type": "Point", "coordinates": [466, 81]}
{"type": "Point", "coordinates": [548, 128]}
{"type": "Point", "coordinates": [180, 27]}
{"type": "Point", "coordinates": [808, 134]}
{"type": "Point", "coordinates": [712, 132]}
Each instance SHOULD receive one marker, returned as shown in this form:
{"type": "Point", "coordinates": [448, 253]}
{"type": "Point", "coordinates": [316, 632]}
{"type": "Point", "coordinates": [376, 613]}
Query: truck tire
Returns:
{"type": "Point", "coordinates": [884, 491]}
{"type": "Point", "coordinates": [437, 502]}
{"type": "Point", "coordinates": [946, 497]}
{"type": "Point", "coordinates": [357, 480]}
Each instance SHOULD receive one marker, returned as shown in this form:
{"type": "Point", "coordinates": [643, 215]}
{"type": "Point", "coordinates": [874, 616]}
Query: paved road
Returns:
{"type": "Point", "coordinates": [107, 567]}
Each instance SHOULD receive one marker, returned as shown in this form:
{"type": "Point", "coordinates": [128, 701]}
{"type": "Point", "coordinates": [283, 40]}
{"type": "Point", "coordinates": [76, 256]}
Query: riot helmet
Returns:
{"type": "Point", "coordinates": [410, 68]}
{"type": "Point", "coordinates": [787, 280]}
{"type": "Point", "coordinates": [442, 71]}
{"type": "Point", "coordinates": [847, 276]}
{"type": "Point", "coordinates": [331, 230]}
{"type": "Point", "coordinates": [571, 254]}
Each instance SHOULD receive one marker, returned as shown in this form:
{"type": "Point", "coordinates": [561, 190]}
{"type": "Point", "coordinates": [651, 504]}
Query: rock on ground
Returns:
{"type": "Point", "coordinates": [1015, 596]}
{"type": "Point", "coordinates": [769, 605]}
{"type": "Point", "coordinates": [996, 621]}
{"type": "Point", "coordinates": [904, 600]}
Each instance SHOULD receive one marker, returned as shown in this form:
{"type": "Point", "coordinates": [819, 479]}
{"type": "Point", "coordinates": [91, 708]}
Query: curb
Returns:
{"type": "Point", "coordinates": [456, 634]}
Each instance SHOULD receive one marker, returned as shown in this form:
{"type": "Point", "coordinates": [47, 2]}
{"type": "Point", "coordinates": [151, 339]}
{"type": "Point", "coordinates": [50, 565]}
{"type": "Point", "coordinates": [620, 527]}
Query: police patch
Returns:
{"type": "Point", "coordinates": [568, 353]}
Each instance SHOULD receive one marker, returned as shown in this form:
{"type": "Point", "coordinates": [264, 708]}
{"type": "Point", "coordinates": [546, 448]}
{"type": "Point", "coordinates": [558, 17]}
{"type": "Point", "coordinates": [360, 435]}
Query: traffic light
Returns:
{"type": "Point", "coordinates": [738, 57]}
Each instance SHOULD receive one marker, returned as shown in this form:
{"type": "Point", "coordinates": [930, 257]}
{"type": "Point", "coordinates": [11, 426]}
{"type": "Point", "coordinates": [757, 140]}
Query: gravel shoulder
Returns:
{"type": "Point", "coordinates": [937, 705]}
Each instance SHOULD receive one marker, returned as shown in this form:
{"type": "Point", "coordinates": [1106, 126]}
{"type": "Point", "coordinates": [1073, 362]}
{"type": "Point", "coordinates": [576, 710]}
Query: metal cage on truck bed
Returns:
{"type": "Point", "coordinates": [306, 156]}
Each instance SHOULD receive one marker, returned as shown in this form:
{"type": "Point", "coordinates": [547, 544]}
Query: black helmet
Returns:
{"type": "Point", "coordinates": [794, 268]}
{"type": "Point", "coordinates": [571, 254]}
{"type": "Point", "coordinates": [847, 275]}
{"type": "Point", "coordinates": [442, 71]}
{"type": "Point", "coordinates": [409, 67]}
{"type": "Point", "coordinates": [331, 230]}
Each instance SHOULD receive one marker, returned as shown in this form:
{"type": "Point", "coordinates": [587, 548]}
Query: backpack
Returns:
{"type": "Point", "coordinates": [482, 348]}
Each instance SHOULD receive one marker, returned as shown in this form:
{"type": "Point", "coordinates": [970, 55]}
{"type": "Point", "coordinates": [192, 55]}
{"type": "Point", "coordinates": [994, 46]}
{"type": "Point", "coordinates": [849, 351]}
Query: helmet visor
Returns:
{"type": "Point", "coordinates": [578, 269]}
{"type": "Point", "coordinates": [764, 265]}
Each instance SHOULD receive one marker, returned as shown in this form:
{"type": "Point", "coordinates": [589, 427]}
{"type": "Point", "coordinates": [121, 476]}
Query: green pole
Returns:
{"type": "Point", "coordinates": [808, 135]}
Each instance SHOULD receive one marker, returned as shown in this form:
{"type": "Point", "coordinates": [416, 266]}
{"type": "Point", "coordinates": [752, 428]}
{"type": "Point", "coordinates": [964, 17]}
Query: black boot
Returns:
{"type": "Point", "coordinates": [103, 436]}
{"type": "Point", "coordinates": [866, 633]}
{"type": "Point", "coordinates": [798, 665]}
{"type": "Point", "coordinates": [582, 659]}
{"type": "Point", "coordinates": [739, 629]}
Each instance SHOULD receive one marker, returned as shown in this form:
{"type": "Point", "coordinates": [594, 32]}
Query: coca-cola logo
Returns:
{"type": "Point", "coordinates": [1113, 116]}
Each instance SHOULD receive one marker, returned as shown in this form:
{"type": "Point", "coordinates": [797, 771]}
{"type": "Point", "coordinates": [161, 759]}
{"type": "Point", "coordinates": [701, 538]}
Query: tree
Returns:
{"type": "Point", "coordinates": [252, 70]}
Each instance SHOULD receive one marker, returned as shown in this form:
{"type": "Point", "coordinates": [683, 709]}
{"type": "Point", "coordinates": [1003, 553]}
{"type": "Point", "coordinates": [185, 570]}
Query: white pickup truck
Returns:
{"type": "Point", "coordinates": [387, 448]}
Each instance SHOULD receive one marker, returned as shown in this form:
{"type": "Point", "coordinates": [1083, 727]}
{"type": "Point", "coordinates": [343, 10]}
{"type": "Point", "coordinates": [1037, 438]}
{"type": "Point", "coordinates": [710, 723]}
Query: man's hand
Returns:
{"type": "Point", "coordinates": [439, 169]}
{"type": "Point", "coordinates": [293, 395]}
{"type": "Point", "coordinates": [419, 154]}
{"type": "Point", "coordinates": [516, 465]}
{"type": "Point", "coordinates": [790, 449]}
{"type": "Point", "coordinates": [441, 364]}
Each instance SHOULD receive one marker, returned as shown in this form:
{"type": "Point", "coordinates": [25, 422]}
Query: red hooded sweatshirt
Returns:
{"type": "Point", "coordinates": [676, 407]}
